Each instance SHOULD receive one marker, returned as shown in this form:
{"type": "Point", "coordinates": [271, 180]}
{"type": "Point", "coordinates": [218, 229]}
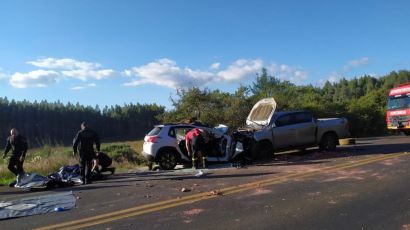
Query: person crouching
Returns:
{"type": "Point", "coordinates": [195, 141]}
{"type": "Point", "coordinates": [102, 162]}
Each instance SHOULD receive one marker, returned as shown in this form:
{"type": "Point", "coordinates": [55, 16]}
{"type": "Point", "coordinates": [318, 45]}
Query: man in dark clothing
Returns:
{"type": "Point", "coordinates": [84, 141]}
{"type": "Point", "coordinates": [17, 143]}
{"type": "Point", "coordinates": [103, 160]}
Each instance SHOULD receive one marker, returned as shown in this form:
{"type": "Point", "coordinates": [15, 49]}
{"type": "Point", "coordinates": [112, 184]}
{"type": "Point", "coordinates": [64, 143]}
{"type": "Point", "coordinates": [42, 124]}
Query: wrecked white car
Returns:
{"type": "Point", "coordinates": [165, 145]}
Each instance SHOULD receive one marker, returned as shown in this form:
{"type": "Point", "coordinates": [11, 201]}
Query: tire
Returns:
{"type": "Point", "coordinates": [262, 150]}
{"type": "Point", "coordinates": [328, 142]}
{"type": "Point", "coordinates": [167, 159]}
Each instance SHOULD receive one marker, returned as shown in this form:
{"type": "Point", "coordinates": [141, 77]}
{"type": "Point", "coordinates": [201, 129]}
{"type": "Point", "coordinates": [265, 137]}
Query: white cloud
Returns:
{"type": "Point", "coordinates": [215, 65]}
{"type": "Point", "coordinates": [241, 69]}
{"type": "Point", "coordinates": [285, 72]}
{"type": "Point", "coordinates": [85, 74]}
{"type": "Point", "coordinates": [37, 78]}
{"type": "Point", "coordinates": [64, 63]}
{"type": "Point", "coordinates": [72, 68]}
{"type": "Point", "coordinates": [166, 72]}
{"type": "Point", "coordinates": [84, 86]}
{"type": "Point", "coordinates": [356, 63]}
{"type": "Point", "coordinates": [163, 72]}
{"type": "Point", "coordinates": [335, 76]}
{"type": "Point", "coordinates": [3, 75]}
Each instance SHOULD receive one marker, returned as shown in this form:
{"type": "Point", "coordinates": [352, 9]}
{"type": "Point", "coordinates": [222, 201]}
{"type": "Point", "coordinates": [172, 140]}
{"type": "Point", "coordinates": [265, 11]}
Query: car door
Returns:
{"type": "Point", "coordinates": [284, 132]}
{"type": "Point", "coordinates": [179, 133]}
{"type": "Point", "coordinates": [305, 129]}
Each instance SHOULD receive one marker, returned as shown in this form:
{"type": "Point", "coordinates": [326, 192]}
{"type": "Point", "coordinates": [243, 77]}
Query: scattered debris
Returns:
{"type": "Point", "coordinates": [199, 174]}
{"type": "Point", "coordinates": [260, 191]}
{"type": "Point", "coordinates": [194, 211]}
{"type": "Point", "coordinates": [185, 190]}
{"type": "Point", "coordinates": [59, 209]}
{"type": "Point", "coordinates": [215, 193]}
{"type": "Point", "coordinates": [332, 202]}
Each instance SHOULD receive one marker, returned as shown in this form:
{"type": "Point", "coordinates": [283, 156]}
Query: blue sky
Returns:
{"type": "Point", "coordinates": [115, 52]}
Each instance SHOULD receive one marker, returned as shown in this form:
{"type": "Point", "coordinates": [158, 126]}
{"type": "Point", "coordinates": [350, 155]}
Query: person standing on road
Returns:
{"type": "Point", "coordinates": [18, 144]}
{"type": "Point", "coordinates": [195, 141]}
{"type": "Point", "coordinates": [84, 141]}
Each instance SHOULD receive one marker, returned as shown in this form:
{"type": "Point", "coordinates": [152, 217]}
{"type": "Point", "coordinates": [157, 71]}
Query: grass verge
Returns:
{"type": "Point", "coordinates": [46, 160]}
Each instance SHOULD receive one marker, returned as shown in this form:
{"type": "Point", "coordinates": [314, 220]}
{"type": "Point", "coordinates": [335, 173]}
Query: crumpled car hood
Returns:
{"type": "Point", "coordinates": [262, 112]}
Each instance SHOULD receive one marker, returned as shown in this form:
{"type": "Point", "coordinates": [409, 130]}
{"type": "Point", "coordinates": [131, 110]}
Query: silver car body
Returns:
{"type": "Point", "coordinates": [291, 129]}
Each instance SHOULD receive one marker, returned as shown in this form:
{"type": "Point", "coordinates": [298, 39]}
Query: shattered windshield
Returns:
{"type": "Point", "coordinates": [401, 102]}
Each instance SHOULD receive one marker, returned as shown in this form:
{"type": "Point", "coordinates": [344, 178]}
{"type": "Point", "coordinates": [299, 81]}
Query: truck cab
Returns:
{"type": "Point", "coordinates": [398, 109]}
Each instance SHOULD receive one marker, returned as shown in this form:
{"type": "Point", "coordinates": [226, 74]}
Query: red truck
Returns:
{"type": "Point", "coordinates": [398, 109]}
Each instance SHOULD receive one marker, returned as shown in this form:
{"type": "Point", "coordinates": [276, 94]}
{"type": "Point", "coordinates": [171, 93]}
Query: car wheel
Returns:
{"type": "Point", "coordinates": [262, 150]}
{"type": "Point", "coordinates": [328, 142]}
{"type": "Point", "coordinates": [167, 160]}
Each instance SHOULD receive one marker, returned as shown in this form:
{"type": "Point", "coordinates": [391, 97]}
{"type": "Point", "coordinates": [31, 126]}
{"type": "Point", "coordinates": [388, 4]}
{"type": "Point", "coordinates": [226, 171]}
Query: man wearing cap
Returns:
{"type": "Point", "coordinates": [84, 141]}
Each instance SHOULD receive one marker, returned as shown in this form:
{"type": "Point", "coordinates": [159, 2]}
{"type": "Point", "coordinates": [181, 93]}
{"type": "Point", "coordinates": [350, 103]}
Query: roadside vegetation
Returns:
{"type": "Point", "coordinates": [362, 100]}
{"type": "Point", "coordinates": [47, 159]}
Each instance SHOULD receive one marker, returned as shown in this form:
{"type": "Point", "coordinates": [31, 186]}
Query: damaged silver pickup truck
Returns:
{"type": "Point", "coordinates": [268, 131]}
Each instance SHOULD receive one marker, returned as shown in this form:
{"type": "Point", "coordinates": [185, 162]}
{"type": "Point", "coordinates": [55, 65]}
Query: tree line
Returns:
{"type": "Point", "coordinates": [362, 100]}
{"type": "Point", "coordinates": [57, 123]}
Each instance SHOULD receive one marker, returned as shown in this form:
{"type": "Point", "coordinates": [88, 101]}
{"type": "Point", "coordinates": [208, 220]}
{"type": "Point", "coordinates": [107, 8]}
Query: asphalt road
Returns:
{"type": "Point", "coordinates": [365, 186]}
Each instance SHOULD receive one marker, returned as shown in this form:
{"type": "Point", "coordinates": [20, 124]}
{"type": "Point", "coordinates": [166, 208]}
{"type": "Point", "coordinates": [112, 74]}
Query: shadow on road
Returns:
{"type": "Point", "coordinates": [313, 155]}
{"type": "Point", "coordinates": [207, 175]}
{"type": "Point", "coordinates": [16, 191]}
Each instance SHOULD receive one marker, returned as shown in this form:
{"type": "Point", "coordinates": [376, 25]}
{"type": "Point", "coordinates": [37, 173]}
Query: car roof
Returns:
{"type": "Point", "coordinates": [178, 124]}
{"type": "Point", "coordinates": [184, 124]}
{"type": "Point", "coordinates": [280, 113]}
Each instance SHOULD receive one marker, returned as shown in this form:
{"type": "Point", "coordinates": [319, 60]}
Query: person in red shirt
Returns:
{"type": "Point", "coordinates": [195, 141]}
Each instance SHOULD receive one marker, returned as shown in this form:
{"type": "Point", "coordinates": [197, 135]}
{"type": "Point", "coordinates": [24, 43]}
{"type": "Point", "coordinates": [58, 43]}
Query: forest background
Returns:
{"type": "Point", "coordinates": [362, 100]}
